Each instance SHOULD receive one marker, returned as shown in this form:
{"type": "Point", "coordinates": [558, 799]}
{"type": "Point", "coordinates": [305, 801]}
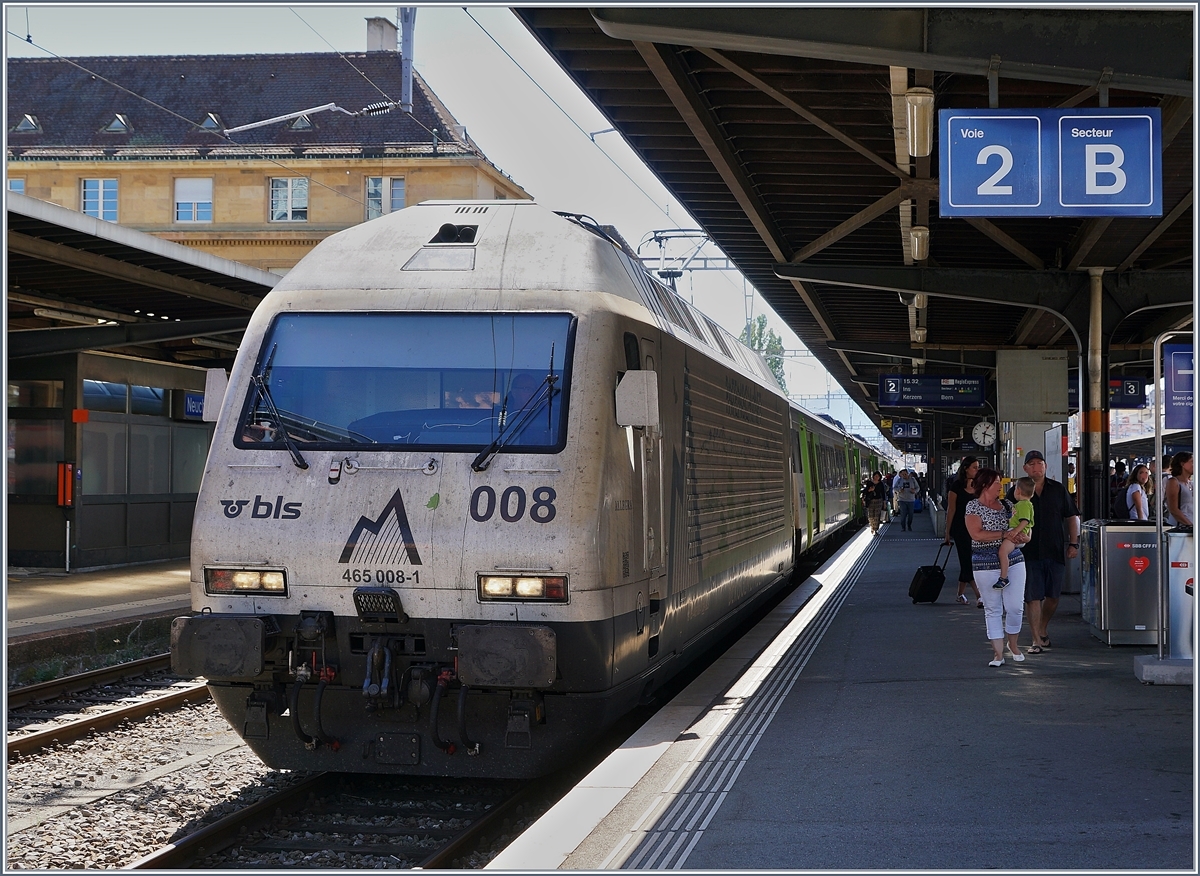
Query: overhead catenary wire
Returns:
{"type": "Point", "coordinates": [389, 103]}
{"type": "Point", "coordinates": [569, 117]}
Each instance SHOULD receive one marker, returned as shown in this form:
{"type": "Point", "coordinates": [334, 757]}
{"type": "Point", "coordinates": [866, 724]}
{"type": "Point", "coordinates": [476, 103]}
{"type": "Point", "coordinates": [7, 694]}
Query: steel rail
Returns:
{"type": "Point", "coordinates": [442, 858]}
{"type": "Point", "coordinates": [69, 731]}
{"type": "Point", "coordinates": [223, 833]}
{"type": "Point", "coordinates": [19, 697]}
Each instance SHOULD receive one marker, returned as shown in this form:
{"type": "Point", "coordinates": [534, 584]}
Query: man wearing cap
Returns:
{"type": "Point", "coordinates": [1045, 559]}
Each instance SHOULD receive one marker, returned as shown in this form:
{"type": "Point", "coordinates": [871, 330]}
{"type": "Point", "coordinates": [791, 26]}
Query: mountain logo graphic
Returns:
{"type": "Point", "coordinates": [386, 539]}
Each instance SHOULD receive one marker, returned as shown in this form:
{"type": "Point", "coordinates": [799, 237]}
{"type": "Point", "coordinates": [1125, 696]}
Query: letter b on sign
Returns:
{"type": "Point", "coordinates": [1108, 162]}
{"type": "Point", "coordinates": [1104, 160]}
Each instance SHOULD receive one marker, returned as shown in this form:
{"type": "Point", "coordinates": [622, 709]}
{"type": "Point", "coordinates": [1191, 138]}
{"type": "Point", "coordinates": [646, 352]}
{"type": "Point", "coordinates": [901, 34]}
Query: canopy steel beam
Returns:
{"type": "Point", "coordinates": [809, 116]}
{"type": "Point", "coordinates": [1063, 293]}
{"type": "Point", "coordinates": [994, 233]}
{"type": "Point", "coordinates": [696, 114]}
{"type": "Point", "coordinates": [47, 342]}
{"type": "Point", "coordinates": [1148, 52]}
{"type": "Point", "coordinates": [76, 258]}
{"type": "Point", "coordinates": [910, 188]}
{"type": "Point", "coordinates": [1162, 226]}
{"type": "Point", "coordinates": [675, 82]}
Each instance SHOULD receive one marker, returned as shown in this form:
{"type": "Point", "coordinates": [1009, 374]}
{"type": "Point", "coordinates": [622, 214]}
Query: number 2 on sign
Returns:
{"type": "Point", "coordinates": [989, 187]}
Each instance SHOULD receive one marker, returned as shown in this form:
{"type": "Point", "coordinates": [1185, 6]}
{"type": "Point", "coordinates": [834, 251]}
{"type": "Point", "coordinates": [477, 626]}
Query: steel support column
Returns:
{"type": "Point", "coordinates": [1093, 418]}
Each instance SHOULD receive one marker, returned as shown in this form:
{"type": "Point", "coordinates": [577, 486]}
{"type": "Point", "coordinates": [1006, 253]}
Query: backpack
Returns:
{"type": "Point", "coordinates": [1120, 504]}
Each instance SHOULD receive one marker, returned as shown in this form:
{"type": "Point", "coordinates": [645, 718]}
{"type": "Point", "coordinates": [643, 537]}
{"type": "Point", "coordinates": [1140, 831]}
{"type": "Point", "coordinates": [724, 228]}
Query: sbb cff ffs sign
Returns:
{"type": "Point", "coordinates": [1077, 162]}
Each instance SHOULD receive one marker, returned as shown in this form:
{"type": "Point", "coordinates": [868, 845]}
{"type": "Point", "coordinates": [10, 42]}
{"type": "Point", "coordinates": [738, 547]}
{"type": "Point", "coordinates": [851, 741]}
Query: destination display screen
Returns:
{"type": "Point", "coordinates": [932, 390]}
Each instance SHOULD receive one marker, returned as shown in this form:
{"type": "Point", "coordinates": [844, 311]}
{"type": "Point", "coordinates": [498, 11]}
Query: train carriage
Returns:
{"type": "Point", "coordinates": [479, 484]}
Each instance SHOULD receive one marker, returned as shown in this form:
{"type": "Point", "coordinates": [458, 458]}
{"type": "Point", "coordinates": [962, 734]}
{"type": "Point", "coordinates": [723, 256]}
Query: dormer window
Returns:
{"type": "Point", "coordinates": [27, 124]}
{"type": "Point", "coordinates": [119, 124]}
{"type": "Point", "coordinates": [301, 124]}
{"type": "Point", "coordinates": [212, 123]}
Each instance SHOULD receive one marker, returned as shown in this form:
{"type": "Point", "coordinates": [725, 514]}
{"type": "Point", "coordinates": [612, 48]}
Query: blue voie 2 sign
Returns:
{"type": "Point", "coordinates": [931, 390]}
{"type": "Point", "coordinates": [1076, 162]}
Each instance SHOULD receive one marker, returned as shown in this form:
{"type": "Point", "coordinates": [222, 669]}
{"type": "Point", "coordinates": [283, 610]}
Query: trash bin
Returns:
{"type": "Point", "coordinates": [1120, 583]}
{"type": "Point", "coordinates": [1181, 606]}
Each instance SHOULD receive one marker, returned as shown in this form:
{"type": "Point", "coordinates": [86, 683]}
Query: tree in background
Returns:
{"type": "Point", "coordinates": [767, 344]}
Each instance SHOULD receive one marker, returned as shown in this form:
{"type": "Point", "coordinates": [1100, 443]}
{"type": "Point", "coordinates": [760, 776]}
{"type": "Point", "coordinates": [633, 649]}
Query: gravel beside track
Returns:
{"type": "Point", "coordinates": [108, 800]}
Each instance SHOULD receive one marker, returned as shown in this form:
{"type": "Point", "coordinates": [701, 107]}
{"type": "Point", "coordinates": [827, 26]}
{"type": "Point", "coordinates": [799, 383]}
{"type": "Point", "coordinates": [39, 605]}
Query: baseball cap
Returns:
{"type": "Point", "coordinates": [1032, 455]}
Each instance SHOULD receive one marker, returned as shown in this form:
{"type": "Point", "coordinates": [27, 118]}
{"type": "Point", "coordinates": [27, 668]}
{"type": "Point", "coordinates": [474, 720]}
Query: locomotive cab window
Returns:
{"type": "Point", "coordinates": [446, 381]}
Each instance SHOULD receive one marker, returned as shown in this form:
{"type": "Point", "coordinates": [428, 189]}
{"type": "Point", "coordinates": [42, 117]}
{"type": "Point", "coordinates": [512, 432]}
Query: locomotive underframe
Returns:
{"type": "Point", "coordinates": [330, 671]}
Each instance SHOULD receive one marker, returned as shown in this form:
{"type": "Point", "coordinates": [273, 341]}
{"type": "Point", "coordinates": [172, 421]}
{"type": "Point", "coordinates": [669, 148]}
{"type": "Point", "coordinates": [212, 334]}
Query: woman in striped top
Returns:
{"type": "Point", "coordinates": [987, 517]}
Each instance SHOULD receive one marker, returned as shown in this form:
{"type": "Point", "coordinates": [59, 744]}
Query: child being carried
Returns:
{"type": "Point", "coordinates": [1021, 521]}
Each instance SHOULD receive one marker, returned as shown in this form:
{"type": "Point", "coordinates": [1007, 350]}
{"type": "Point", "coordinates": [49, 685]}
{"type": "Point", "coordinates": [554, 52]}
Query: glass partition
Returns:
{"type": "Point", "coordinates": [35, 448]}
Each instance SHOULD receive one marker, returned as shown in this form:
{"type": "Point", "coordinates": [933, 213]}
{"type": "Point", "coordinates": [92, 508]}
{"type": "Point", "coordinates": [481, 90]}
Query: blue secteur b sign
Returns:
{"type": "Point", "coordinates": [1076, 162]}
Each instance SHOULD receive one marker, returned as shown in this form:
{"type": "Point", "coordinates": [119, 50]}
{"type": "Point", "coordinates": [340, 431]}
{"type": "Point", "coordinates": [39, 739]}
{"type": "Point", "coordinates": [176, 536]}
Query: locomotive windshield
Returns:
{"type": "Point", "coordinates": [401, 380]}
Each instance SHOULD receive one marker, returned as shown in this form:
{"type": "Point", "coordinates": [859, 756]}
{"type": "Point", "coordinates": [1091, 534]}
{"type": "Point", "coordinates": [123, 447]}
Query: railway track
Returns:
{"type": "Point", "coordinates": [66, 709]}
{"type": "Point", "coordinates": [351, 821]}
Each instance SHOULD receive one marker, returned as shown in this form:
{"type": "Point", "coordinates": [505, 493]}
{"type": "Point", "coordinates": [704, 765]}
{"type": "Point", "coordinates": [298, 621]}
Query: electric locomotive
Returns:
{"type": "Point", "coordinates": [478, 485]}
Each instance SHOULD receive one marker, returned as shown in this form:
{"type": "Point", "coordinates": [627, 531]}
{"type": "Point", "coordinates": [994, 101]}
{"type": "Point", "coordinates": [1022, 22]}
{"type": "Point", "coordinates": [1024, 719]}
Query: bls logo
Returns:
{"type": "Point", "coordinates": [263, 510]}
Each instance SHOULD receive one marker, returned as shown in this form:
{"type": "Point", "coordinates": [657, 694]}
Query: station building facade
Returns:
{"type": "Point", "coordinates": [152, 154]}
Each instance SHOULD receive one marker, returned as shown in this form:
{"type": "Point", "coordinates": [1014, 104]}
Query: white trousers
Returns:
{"type": "Point", "coordinates": [1003, 610]}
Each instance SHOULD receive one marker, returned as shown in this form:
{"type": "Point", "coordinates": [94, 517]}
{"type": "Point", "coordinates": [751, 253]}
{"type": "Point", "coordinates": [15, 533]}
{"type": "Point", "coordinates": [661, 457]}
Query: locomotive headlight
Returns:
{"type": "Point", "coordinates": [245, 581]}
{"type": "Point", "coordinates": [494, 587]}
{"type": "Point", "coordinates": [530, 588]}
{"type": "Point", "coordinates": [523, 588]}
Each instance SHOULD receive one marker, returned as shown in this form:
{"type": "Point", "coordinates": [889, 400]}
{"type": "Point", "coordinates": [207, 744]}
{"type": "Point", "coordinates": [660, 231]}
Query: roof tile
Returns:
{"type": "Point", "coordinates": [165, 98]}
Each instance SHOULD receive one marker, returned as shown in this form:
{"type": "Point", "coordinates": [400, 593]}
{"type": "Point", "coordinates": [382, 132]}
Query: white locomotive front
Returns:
{"type": "Point", "coordinates": [473, 492]}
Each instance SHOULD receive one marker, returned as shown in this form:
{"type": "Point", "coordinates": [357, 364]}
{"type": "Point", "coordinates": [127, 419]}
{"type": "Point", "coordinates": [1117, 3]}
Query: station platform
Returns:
{"type": "Point", "coordinates": [58, 623]}
{"type": "Point", "coordinates": [854, 730]}
{"type": "Point", "coordinates": [40, 601]}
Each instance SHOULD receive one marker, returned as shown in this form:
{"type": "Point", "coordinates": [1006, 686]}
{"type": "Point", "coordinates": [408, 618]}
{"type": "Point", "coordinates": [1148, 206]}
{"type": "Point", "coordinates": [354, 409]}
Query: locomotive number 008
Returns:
{"type": "Point", "coordinates": [511, 504]}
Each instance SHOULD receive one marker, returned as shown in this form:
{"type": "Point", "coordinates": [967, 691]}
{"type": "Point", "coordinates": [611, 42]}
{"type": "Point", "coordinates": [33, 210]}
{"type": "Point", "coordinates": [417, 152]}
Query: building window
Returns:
{"type": "Point", "coordinates": [119, 124]}
{"type": "Point", "coordinates": [101, 395]}
{"type": "Point", "coordinates": [302, 123]}
{"type": "Point", "coordinates": [384, 195]}
{"type": "Point", "coordinates": [35, 393]}
{"type": "Point", "coordinates": [289, 199]}
{"type": "Point", "coordinates": [100, 198]}
{"type": "Point", "coordinates": [212, 122]}
{"type": "Point", "coordinates": [17, 185]}
{"type": "Point", "coordinates": [27, 125]}
{"type": "Point", "coordinates": [193, 200]}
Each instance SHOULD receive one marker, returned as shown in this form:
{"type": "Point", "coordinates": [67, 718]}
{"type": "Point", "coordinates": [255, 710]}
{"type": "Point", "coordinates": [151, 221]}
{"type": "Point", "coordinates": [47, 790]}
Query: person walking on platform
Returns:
{"type": "Point", "coordinates": [906, 494]}
{"type": "Point", "coordinates": [1045, 563]}
{"type": "Point", "coordinates": [958, 494]}
{"type": "Point", "coordinates": [1136, 499]}
{"type": "Point", "coordinates": [874, 494]}
{"type": "Point", "coordinates": [987, 520]}
{"type": "Point", "coordinates": [1181, 502]}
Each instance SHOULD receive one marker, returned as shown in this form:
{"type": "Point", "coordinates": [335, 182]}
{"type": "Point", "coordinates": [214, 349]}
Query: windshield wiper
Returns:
{"type": "Point", "coordinates": [520, 419]}
{"type": "Point", "coordinates": [259, 379]}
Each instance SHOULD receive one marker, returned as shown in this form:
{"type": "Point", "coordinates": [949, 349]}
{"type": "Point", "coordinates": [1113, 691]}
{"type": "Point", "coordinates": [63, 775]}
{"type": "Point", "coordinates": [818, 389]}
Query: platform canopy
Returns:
{"type": "Point", "coordinates": [128, 291]}
{"type": "Point", "coordinates": [783, 132]}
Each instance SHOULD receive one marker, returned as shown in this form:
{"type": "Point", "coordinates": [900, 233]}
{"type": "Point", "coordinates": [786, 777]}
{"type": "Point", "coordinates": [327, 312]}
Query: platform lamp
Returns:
{"type": "Point", "coordinates": [920, 121]}
{"type": "Point", "coordinates": [918, 238]}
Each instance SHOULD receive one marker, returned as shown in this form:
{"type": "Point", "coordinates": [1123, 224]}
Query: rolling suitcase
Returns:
{"type": "Point", "coordinates": [927, 583]}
